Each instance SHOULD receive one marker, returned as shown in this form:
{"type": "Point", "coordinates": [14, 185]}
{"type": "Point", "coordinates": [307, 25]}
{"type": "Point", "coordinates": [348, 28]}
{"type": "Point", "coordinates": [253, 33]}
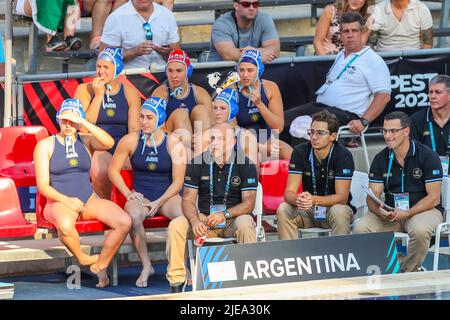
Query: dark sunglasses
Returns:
{"type": "Point", "coordinates": [247, 4]}
{"type": "Point", "coordinates": [148, 31]}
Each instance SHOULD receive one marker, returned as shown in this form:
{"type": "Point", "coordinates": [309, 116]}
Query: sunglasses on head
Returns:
{"type": "Point", "coordinates": [148, 31]}
{"type": "Point", "coordinates": [247, 4]}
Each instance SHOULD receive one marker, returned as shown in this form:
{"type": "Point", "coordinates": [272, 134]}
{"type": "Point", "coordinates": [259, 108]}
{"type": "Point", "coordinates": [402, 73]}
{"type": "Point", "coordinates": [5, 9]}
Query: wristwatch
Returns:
{"type": "Point", "coordinates": [364, 121]}
{"type": "Point", "coordinates": [227, 214]}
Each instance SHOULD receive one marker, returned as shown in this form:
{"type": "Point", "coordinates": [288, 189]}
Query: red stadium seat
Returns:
{"type": "Point", "coordinates": [82, 226]}
{"type": "Point", "coordinates": [12, 222]}
{"type": "Point", "coordinates": [273, 177]}
{"type": "Point", "coordinates": [16, 153]}
{"type": "Point", "coordinates": [119, 199]}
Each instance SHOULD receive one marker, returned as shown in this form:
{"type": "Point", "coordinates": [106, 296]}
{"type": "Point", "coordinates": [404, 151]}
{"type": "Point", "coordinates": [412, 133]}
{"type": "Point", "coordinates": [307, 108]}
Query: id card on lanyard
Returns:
{"type": "Point", "coordinates": [213, 209]}
{"type": "Point", "coordinates": [401, 200]}
{"type": "Point", "coordinates": [320, 212]}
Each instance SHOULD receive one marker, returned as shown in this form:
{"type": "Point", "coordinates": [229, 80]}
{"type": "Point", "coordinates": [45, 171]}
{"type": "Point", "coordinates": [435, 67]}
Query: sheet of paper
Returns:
{"type": "Point", "coordinates": [375, 198]}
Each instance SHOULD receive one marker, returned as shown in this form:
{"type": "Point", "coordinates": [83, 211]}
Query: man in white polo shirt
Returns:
{"type": "Point", "coordinates": [357, 86]}
{"type": "Point", "coordinates": [401, 25]}
{"type": "Point", "coordinates": [146, 31]}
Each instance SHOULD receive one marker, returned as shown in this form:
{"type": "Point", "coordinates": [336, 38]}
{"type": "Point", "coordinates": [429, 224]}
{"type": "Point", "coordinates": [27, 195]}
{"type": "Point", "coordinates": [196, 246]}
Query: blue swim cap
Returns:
{"type": "Point", "coordinates": [158, 107]}
{"type": "Point", "coordinates": [73, 105]}
{"type": "Point", "coordinates": [230, 96]}
{"type": "Point", "coordinates": [253, 57]}
{"type": "Point", "coordinates": [114, 55]}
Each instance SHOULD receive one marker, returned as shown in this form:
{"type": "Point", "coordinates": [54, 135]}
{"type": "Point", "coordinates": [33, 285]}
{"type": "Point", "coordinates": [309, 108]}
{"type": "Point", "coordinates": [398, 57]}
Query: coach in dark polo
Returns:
{"type": "Point", "coordinates": [325, 169]}
{"type": "Point", "coordinates": [410, 175]}
{"type": "Point", "coordinates": [225, 185]}
{"type": "Point", "coordinates": [431, 126]}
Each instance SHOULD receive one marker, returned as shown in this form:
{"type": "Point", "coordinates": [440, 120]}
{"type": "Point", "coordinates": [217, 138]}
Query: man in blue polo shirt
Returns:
{"type": "Point", "coordinates": [410, 175]}
{"type": "Point", "coordinates": [431, 126]}
{"type": "Point", "coordinates": [325, 169]}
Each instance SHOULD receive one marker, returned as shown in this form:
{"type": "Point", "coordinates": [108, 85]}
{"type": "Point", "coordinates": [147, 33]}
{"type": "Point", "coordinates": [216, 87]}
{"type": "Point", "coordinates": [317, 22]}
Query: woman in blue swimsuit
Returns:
{"type": "Point", "coordinates": [112, 106]}
{"type": "Point", "coordinates": [62, 164]}
{"type": "Point", "coordinates": [158, 161]}
{"type": "Point", "coordinates": [260, 106]}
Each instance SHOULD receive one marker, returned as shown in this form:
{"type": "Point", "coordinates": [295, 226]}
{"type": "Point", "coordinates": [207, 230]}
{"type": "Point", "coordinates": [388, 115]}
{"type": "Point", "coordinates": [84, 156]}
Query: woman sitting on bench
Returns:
{"type": "Point", "coordinates": [62, 164]}
{"type": "Point", "coordinates": [260, 107]}
{"type": "Point", "coordinates": [159, 163]}
{"type": "Point", "coordinates": [112, 106]}
{"type": "Point", "coordinates": [225, 109]}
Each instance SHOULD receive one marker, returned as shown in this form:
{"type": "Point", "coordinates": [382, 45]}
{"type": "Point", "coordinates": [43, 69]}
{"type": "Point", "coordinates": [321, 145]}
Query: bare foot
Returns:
{"type": "Point", "coordinates": [103, 280]}
{"type": "Point", "coordinates": [88, 260]}
{"type": "Point", "coordinates": [146, 272]}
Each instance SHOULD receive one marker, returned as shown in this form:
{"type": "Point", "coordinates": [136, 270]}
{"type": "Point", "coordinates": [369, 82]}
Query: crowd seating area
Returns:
{"type": "Point", "coordinates": [295, 44]}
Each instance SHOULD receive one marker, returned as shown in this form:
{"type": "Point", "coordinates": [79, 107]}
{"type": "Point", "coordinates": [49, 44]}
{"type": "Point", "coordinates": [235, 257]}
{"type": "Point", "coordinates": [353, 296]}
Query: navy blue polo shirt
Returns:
{"type": "Point", "coordinates": [340, 167]}
{"type": "Point", "coordinates": [420, 131]}
{"type": "Point", "coordinates": [421, 166]}
{"type": "Point", "coordinates": [243, 178]}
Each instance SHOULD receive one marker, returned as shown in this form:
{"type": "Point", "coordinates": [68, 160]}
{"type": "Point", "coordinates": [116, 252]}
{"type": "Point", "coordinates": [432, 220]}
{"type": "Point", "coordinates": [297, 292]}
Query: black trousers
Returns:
{"type": "Point", "coordinates": [309, 109]}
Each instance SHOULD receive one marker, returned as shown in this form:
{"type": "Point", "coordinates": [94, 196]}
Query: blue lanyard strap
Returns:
{"type": "Point", "coordinates": [345, 68]}
{"type": "Point", "coordinates": [211, 186]}
{"type": "Point", "coordinates": [313, 174]}
{"type": "Point", "coordinates": [391, 160]}
{"type": "Point", "coordinates": [433, 142]}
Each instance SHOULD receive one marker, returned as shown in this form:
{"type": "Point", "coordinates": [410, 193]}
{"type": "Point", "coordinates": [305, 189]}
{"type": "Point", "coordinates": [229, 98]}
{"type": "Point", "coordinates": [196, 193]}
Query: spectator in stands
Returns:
{"type": "Point", "coordinates": [327, 39]}
{"type": "Point", "coordinates": [159, 165]}
{"type": "Point", "coordinates": [51, 16]}
{"type": "Point", "coordinates": [357, 75]}
{"type": "Point", "coordinates": [431, 126]}
{"type": "Point", "coordinates": [2, 57]}
{"type": "Point", "coordinates": [189, 106]}
{"type": "Point", "coordinates": [99, 11]}
{"type": "Point", "coordinates": [146, 31]}
{"type": "Point", "coordinates": [324, 168]}
{"type": "Point", "coordinates": [401, 25]}
{"type": "Point", "coordinates": [410, 176]}
{"type": "Point", "coordinates": [225, 109]}
{"type": "Point", "coordinates": [242, 29]}
{"type": "Point", "coordinates": [209, 177]}
{"type": "Point", "coordinates": [112, 106]}
{"type": "Point", "coordinates": [62, 164]}
{"type": "Point", "coordinates": [260, 106]}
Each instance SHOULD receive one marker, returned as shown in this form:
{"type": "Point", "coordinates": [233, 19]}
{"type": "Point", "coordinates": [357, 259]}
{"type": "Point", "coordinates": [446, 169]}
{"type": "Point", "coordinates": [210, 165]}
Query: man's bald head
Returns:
{"type": "Point", "coordinates": [223, 139]}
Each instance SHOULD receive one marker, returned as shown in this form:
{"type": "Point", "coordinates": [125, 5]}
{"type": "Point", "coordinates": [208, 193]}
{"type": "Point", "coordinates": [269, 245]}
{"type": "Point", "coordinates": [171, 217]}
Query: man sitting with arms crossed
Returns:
{"type": "Point", "coordinates": [325, 169]}
{"type": "Point", "coordinates": [226, 191]}
{"type": "Point", "coordinates": [410, 175]}
{"type": "Point", "coordinates": [431, 126]}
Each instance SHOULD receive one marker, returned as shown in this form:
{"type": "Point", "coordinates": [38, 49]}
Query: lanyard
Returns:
{"type": "Point", "coordinates": [433, 142]}
{"type": "Point", "coordinates": [227, 186]}
{"type": "Point", "coordinates": [391, 160]}
{"type": "Point", "coordinates": [345, 68]}
{"type": "Point", "coordinates": [313, 175]}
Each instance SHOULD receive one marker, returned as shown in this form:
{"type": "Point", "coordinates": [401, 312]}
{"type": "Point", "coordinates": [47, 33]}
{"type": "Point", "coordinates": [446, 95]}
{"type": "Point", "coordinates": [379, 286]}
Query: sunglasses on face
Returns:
{"type": "Point", "coordinates": [148, 31]}
{"type": "Point", "coordinates": [247, 4]}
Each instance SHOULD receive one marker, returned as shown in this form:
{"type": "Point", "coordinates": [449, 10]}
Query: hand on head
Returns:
{"type": "Point", "coordinates": [71, 116]}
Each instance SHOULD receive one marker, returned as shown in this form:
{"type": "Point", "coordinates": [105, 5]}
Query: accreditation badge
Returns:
{"type": "Point", "coordinates": [444, 163]}
{"type": "Point", "coordinates": [320, 213]}
{"type": "Point", "coordinates": [216, 208]}
{"type": "Point", "coordinates": [401, 200]}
